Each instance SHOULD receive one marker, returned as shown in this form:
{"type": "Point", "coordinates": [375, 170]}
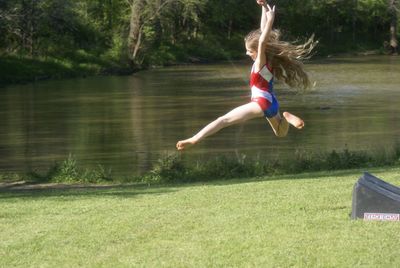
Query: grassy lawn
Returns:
{"type": "Point", "coordinates": [294, 220]}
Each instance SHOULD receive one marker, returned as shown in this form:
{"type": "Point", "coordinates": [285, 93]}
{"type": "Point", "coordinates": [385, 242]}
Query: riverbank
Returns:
{"type": "Point", "coordinates": [16, 70]}
{"type": "Point", "coordinates": [275, 221]}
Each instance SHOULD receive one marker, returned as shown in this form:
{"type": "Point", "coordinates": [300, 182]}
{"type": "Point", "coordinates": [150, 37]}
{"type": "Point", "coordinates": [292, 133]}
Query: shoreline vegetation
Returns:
{"type": "Point", "coordinates": [21, 70]}
{"type": "Point", "coordinates": [173, 169]}
{"type": "Point", "coordinates": [18, 70]}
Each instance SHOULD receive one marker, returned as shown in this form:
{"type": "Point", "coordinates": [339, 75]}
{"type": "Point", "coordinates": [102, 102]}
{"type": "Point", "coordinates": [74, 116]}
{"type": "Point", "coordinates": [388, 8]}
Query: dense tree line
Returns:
{"type": "Point", "coordinates": [143, 32]}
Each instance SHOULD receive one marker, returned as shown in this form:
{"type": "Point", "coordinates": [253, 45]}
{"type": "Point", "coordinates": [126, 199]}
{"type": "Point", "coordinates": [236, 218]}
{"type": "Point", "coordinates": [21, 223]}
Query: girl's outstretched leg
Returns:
{"type": "Point", "coordinates": [238, 115]}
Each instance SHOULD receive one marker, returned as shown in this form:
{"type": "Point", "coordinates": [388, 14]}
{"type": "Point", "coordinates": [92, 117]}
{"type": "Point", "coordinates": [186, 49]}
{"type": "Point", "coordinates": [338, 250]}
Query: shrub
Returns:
{"type": "Point", "coordinates": [68, 171]}
{"type": "Point", "coordinates": [167, 169]}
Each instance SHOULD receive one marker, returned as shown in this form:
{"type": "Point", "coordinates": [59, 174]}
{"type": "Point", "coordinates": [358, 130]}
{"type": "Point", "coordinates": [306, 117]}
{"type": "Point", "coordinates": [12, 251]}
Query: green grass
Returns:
{"type": "Point", "coordinates": [292, 220]}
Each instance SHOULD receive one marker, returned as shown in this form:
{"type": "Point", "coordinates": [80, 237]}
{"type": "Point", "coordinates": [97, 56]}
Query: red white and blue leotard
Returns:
{"type": "Point", "coordinates": [262, 83]}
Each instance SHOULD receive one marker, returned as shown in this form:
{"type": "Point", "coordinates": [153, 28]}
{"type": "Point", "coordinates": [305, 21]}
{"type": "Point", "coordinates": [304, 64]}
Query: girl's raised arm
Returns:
{"type": "Point", "coordinates": [268, 16]}
{"type": "Point", "coordinates": [263, 22]}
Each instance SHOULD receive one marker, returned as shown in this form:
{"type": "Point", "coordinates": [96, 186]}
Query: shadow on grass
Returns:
{"type": "Point", "coordinates": [37, 190]}
{"type": "Point", "coordinates": [331, 174]}
{"type": "Point", "coordinates": [34, 190]}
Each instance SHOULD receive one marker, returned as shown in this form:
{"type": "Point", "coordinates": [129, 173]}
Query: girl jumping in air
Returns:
{"type": "Point", "coordinates": [272, 58]}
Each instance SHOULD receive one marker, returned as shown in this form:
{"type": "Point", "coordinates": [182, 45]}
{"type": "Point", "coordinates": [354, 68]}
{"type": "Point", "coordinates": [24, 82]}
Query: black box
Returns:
{"type": "Point", "coordinates": [375, 199]}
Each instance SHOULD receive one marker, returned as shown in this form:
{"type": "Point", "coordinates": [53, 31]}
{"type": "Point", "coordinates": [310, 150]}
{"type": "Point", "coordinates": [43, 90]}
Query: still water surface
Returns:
{"type": "Point", "coordinates": [127, 123]}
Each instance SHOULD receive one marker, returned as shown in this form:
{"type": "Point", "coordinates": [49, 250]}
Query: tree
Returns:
{"type": "Point", "coordinates": [393, 27]}
{"type": "Point", "coordinates": [19, 22]}
{"type": "Point", "coordinates": [147, 14]}
{"type": "Point", "coordinates": [137, 22]}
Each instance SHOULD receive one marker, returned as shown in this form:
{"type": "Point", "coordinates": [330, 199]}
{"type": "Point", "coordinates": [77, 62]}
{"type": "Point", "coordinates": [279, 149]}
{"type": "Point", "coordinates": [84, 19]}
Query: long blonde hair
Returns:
{"type": "Point", "coordinates": [285, 58]}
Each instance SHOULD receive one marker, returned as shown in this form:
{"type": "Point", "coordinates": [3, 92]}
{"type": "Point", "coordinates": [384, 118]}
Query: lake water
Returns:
{"type": "Point", "coordinates": [126, 123]}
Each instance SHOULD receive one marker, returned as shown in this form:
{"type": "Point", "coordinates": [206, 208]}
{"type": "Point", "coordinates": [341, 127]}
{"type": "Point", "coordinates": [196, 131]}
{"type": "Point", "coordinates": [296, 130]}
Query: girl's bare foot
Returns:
{"type": "Point", "coordinates": [295, 121]}
{"type": "Point", "coordinates": [182, 145]}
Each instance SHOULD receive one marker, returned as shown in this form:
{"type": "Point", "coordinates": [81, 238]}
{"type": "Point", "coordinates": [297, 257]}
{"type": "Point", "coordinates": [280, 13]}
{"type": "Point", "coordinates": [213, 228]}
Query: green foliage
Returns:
{"type": "Point", "coordinates": [178, 30]}
{"type": "Point", "coordinates": [166, 170]}
{"type": "Point", "coordinates": [11, 177]}
{"type": "Point", "coordinates": [226, 168]}
{"type": "Point", "coordinates": [173, 168]}
{"type": "Point", "coordinates": [164, 55]}
{"type": "Point", "coordinates": [99, 174]}
{"type": "Point", "coordinates": [334, 161]}
{"type": "Point", "coordinates": [15, 69]}
{"type": "Point", "coordinates": [78, 63]}
{"type": "Point", "coordinates": [68, 171]}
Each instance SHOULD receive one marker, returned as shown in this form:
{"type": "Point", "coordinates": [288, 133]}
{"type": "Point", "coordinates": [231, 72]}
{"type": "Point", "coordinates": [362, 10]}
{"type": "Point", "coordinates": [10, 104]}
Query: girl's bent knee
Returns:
{"type": "Point", "coordinates": [281, 134]}
{"type": "Point", "coordinates": [283, 128]}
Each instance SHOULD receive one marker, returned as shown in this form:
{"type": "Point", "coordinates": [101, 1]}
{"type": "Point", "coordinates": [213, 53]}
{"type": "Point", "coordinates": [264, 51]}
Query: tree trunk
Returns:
{"type": "Point", "coordinates": [110, 14]}
{"type": "Point", "coordinates": [137, 22]}
{"type": "Point", "coordinates": [230, 28]}
{"type": "Point", "coordinates": [135, 29]}
{"type": "Point", "coordinates": [354, 28]}
{"type": "Point", "coordinates": [393, 27]}
{"type": "Point", "coordinates": [28, 26]}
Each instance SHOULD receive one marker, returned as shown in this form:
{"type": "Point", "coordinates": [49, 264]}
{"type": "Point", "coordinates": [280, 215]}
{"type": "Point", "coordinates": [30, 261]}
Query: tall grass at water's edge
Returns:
{"type": "Point", "coordinates": [173, 168]}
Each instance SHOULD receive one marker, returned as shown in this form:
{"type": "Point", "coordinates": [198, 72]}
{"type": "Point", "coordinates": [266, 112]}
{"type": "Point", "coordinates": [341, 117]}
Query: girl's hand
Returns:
{"type": "Point", "coordinates": [270, 12]}
{"type": "Point", "coordinates": [262, 2]}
